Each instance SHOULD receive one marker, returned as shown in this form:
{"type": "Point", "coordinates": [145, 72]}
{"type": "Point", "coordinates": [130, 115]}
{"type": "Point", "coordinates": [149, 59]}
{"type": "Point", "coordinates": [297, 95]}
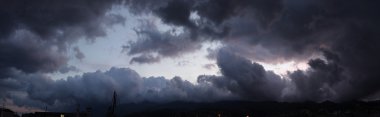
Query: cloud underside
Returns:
{"type": "Point", "coordinates": [241, 79]}
{"type": "Point", "coordinates": [36, 35]}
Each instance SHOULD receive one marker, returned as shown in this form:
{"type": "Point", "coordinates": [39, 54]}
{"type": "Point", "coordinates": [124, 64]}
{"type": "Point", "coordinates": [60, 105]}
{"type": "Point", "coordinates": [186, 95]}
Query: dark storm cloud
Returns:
{"type": "Point", "coordinates": [245, 78]}
{"type": "Point", "coordinates": [347, 32]}
{"type": "Point", "coordinates": [218, 19]}
{"type": "Point", "coordinates": [351, 53]}
{"type": "Point", "coordinates": [22, 51]}
{"type": "Point", "coordinates": [27, 89]}
{"type": "Point", "coordinates": [332, 79]}
{"type": "Point", "coordinates": [357, 53]}
{"type": "Point", "coordinates": [34, 35]}
{"type": "Point", "coordinates": [210, 11]}
{"type": "Point", "coordinates": [241, 79]}
{"type": "Point", "coordinates": [281, 30]}
{"type": "Point", "coordinates": [326, 79]}
{"type": "Point", "coordinates": [321, 82]}
{"type": "Point", "coordinates": [286, 29]}
{"type": "Point", "coordinates": [49, 18]}
{"type": "Point", "coordinates": [177, 13]}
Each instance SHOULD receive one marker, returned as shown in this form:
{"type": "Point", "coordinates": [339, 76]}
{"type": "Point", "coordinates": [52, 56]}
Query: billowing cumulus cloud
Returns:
{"type": "Point", "coordinates": [323, 81]}
{"type": "Point", "coordinates": [38, 90]}
{"type": "Point", "coordinates": [240, 79]}
{"type": "Point", "coordinates": [245, 78]}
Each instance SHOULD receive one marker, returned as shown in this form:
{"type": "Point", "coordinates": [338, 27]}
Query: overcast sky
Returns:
{"type": "Point", "coordinates": [59, 53]}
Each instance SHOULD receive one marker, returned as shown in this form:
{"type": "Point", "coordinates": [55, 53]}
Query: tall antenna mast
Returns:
{"type": "Point", "coordinates": [113, 103]}
{"type": "Point", "coordinates": [111, 109]}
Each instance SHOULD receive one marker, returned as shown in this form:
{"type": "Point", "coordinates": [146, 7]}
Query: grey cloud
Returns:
{"type": "Point", "coordinates": [145, 59]}
{"type": "Point", "coordinates": [78, 54]}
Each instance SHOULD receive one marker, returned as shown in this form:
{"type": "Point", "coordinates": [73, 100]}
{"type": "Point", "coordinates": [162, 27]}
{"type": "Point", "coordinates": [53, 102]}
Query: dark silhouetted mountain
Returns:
{"type": "Point", "coordinates": [251, 109]}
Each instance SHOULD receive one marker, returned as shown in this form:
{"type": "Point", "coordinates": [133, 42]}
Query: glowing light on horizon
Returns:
{"type": "Point", "coordinates": [283, 68]}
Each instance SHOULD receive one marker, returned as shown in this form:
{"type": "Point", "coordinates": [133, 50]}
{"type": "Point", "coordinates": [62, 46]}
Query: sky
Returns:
{"type": "Point", "coordinates": [61, 53]}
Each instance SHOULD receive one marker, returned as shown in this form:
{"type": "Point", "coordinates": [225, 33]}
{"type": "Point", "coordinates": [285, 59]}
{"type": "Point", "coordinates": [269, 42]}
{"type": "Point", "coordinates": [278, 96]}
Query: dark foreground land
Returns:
{"type": "Point", "coordinates": [253, 109]}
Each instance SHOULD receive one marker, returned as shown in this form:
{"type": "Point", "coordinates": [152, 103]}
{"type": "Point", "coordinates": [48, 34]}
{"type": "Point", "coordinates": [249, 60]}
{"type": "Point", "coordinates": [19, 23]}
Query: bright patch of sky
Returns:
{"type": "Point", "coordinates": [106, 52]}
{"type": "Point", "coordinates": [284, 67]}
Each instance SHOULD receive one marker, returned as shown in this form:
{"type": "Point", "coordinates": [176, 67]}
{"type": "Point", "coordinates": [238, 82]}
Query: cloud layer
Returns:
{"type": "Point", "coordinates": [35, 35]}
{"type": "Point", "coordinates": [240, 79]}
